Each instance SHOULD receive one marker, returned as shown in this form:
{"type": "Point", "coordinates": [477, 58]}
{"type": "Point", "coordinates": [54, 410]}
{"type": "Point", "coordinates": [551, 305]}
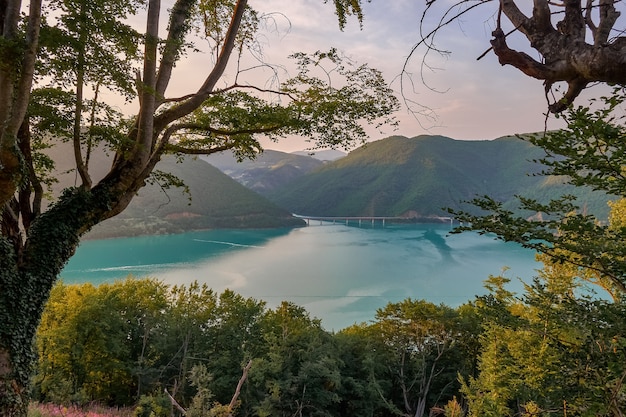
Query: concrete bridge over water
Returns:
{"type": "Point", "coordinates": [371, 219]}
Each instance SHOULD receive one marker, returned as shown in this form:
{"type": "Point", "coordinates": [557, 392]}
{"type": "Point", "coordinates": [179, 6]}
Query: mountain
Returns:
{"type": "Point", "coordinates": [214, 200]}
{"type": "Point", "coordinates": [269, 171]}
{"type": "Point", "coordinates": [323, 155]}
{"type": "Point", "coordinates": [418, 177]}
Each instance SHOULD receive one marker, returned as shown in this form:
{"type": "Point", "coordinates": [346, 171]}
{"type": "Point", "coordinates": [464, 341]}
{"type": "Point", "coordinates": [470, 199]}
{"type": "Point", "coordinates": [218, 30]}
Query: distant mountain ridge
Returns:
{"type": "Point", "coordinates": [323, 155]}
{"type": "Point", "coordinates": [418, 177]}
{"type": "Point", "coordinates": [269, 171]}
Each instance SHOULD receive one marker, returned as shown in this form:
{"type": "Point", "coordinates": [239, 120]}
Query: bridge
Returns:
{"type": "Point", "coordinates": [372, 219]}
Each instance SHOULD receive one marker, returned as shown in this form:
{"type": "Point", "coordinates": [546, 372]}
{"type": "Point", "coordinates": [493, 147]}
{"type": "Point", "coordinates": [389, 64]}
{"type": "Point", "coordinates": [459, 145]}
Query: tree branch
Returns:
{"type": "Point", "coordinates": [143, 145]}
{"type": "Point", "coordinates": [243, 378]}
{"type": "Point", "coordinates": [608, 17]}
{"type": "Point", "coordinates": [517, 18]}
{"type": "Point", "coordinates": [519, 60]}
{"type": "Point", "coordinates": [178, 27]}
{"type": "Point", "coordinates": [27, 69]}
{"type": "Point", "coordinates": [205, 90]}
{"type": "Point", "coordinates": [175, 403]}
{"type": "Point", "coordinates": [15, 86]}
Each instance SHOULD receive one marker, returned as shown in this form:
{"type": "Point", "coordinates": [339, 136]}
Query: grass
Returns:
{"type": "Point", "coordinates": [53, 410]}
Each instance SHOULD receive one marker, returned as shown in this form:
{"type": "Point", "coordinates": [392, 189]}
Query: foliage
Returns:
{"type": "Point", "coordinates": [589, 153]}
{"type": "Point", "coordinates": [558, 348]}
{"type": "Point", "coordinates": [299, 374]}
{"type": "Point", "coordinates": [88, 338]}
{"type": "Point", "coordinates": [427, 347]}
{"type": "Point", "coordinates": [51, 410]}
{"type": "Point", "coordinates": [548, 350]}
{"type": "Point", "coordinates": [194, 343]}
{"type": "Point", "coordinates": [153, 406]}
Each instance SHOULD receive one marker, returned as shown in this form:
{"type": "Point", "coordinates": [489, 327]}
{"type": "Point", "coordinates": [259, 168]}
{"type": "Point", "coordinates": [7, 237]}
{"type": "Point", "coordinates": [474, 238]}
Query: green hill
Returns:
{"type": "Point", "coordinates": [418, 177]}
{"type": "Point", "coordinates": [214, 200]}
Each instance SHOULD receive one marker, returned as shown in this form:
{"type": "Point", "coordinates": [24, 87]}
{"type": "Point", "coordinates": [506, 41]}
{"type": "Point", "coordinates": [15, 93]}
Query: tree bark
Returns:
{"type": "Point", "coordinates": [566, 55]}
{"type": "Point", "coordinates": [26, 280]}
{"type": "Point", "coordinates": [15, 85]}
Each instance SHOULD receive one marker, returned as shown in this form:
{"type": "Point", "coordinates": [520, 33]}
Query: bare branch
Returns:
{"type": "Point", "coordinates": [233, 87]}
{"type": "Point", "coordinates": [451, 14]}
{"type": "Point", "coordinates": [589, 21]}
{"type": "Point", "coordinates": [243, 378]}
{"type": "Point", "coordinates": [175, 403]}
{"type": "Point", "coordinates": [519, 60]}
{"type": "Point", "coordinates": [608, 18]}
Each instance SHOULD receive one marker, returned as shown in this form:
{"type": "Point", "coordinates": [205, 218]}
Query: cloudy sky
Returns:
{"type": "Point", "coordinates": [471, 99]}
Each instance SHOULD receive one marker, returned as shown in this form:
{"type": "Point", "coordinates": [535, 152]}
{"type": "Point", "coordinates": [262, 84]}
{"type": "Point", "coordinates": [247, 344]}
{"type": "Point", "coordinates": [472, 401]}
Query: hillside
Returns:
{"type": "Point", "coordinates": [323, 155]}
{"type": "Point", "coordinates": [418, 177]}
{"type": "Point", "coordinates": [270, 171]}
{"type": "Point", "coordinates": [214, 201]}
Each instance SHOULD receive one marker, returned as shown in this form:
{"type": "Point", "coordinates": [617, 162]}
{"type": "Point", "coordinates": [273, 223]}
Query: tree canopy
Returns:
{"type": "Point", "coordinates": [123, 343]}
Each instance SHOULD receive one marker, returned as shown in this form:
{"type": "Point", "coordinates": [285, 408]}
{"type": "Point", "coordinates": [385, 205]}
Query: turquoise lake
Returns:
{"type": "Point", "coordinates": [340, 274]}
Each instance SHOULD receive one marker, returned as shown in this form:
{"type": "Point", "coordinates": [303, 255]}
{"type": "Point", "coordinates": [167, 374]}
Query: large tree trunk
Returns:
{"type": "Point", "coordinates": [26, 280]}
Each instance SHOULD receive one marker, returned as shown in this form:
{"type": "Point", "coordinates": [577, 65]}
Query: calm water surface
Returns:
{"type": "Point", "coordinates": [340, 274]}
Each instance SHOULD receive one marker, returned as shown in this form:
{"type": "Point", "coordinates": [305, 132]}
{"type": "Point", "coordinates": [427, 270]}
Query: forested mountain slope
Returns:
{"type": "Point", "coordinates": [213, 200]}
{"type": "Point", "coordinates": [270, 171]}
{"type": "Point", "coordinates": [417, 177]}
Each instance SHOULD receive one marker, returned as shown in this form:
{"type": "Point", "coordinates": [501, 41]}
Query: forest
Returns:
{"type": "Point", "coordinates": [136, 342]}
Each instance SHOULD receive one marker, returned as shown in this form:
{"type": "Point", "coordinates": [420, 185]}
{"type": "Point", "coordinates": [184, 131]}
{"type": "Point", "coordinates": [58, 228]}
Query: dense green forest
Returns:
{"type": "Point", "coordinates": [126, 342]}
{"type": "Point", "coordinates": [420, 176]}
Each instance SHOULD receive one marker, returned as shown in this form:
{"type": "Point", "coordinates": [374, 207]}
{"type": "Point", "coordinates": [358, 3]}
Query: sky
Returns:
{"type": "Point", "coordinates": [470, 99]}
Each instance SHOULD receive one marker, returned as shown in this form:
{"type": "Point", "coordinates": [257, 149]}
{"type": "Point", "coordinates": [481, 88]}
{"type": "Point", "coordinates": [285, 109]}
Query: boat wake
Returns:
{"type": "Point", "coordinates": [227, 243]}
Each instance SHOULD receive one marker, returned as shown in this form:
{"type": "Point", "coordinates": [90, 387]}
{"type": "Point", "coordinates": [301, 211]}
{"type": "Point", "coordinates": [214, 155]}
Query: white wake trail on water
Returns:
{"type": "Point", "coordinates": [227, 243]}
{"type": "Point", "coordinates": [130, 268]}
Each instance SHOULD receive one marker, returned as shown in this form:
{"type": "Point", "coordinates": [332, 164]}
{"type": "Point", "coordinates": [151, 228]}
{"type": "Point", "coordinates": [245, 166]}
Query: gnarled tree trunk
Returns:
{"type": "Point", "coordinates": [566, 54]}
